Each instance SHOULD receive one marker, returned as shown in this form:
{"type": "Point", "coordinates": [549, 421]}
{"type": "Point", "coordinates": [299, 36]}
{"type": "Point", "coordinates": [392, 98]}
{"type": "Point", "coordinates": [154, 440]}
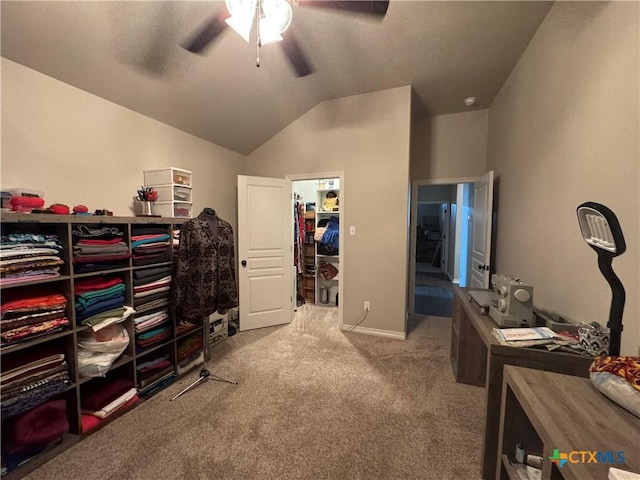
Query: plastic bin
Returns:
{"type": "Point", "coordinates": [173, 209]}
{"type": "Point", "coordinates": [173, 193]}
{"type": "Point", "coordinates": [167, 176]}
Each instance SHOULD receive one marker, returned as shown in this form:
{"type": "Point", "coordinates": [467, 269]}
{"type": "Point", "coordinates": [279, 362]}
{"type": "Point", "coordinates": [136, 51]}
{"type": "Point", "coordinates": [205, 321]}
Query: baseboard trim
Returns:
{"type": "Point", "coordinates": [375, 332]}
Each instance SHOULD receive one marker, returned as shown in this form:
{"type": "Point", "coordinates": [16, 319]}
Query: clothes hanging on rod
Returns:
{"type": "Point", "coordinates": [205, 270]}
{"type": "Point", "coordinates": [298, 237]}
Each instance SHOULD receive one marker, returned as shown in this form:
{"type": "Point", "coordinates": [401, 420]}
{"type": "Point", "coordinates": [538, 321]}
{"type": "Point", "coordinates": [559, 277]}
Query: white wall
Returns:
{"type": "Point", "coordinates": [367, 137]}
{"type": "Point", "coordinates": [81, 149]}
{"type": "Point", "coordinates": [449, 146]}
{"type": "Point", "coordinates": [564, 129]}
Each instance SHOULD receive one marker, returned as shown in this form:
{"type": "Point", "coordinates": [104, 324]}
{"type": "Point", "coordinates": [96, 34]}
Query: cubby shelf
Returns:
{"type": "Point", "coordinates": [66, 341]}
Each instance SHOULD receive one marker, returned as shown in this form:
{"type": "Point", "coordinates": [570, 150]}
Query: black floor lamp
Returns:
{"type": "Point", "coordinates": [602, 232]}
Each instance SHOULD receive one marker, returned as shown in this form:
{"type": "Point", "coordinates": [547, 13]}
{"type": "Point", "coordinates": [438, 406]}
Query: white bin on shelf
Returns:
{"type": "Point", "coordinates": [167, 176]}
{"type": "Point", "coordinates": [173, 193]}
{"type": "Point", "coordinates": [173, 209]}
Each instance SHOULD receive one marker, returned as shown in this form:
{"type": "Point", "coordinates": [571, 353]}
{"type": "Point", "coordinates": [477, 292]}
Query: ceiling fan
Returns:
{"type": "Point", "coordinates": [271, 18]}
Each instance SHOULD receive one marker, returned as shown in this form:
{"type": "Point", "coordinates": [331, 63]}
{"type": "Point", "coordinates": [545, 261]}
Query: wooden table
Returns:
{"type": "Point", "coordinates": [545, 411]}
{"type": "Point", "coordinates": [478, 359]}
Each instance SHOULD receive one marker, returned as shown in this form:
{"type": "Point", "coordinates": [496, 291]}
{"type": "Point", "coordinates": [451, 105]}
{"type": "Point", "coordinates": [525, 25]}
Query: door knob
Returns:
{"type": "Point", "coordinates": [243, 263]}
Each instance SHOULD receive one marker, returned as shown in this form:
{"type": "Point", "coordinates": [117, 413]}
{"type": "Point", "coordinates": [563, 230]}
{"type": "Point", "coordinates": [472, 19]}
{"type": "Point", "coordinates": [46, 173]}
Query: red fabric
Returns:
{"type": "Point", "coordinates": [104, 394]}
{"type": "Point", "coordinates": [146, 288]}
{"type": "Point", "coordinates": [100, 258]}
{"type": "Point", "coordinates": [15, 299]}
{"type": "Point", "coordinates": [89, 422]}
{"type": "Point", "coordinates": [39, 426]}
{"type": "Point", "coordinates": [98, 283]}
{"type": "Point", "coordinates": [97, 241]}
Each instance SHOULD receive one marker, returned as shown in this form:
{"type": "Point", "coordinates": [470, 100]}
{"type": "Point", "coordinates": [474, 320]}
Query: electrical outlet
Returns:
{"type": "Point", "coordinates": [367, 306]}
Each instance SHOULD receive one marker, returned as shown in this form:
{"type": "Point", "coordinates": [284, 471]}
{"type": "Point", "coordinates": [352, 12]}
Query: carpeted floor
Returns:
{"type": "Point", "coordinates": [312, 403]}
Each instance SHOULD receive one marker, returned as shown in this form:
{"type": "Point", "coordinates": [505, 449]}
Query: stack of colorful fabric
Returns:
{"type": "Point", "coordinates": [31, 379]}
{"type": "Point", "coordinates": [96, 249]}
{"type": "Point", "coordinates": [155, 374]}
{"type": "Point", "coordinates": [99, 298]}
{"type": "Point", "coordinates": [151, 288]}
{"type": "Point", "coordinates": [150, 245]}
{"type": "Point", "coordinates": [31, 433]}
{"type": "Point", "coordinates": [190, 353]}
{"type": "Point", "coordinates": [103, 398]}
{"type": "Point", "coordinates": [151, 329]}
{"type": "Point", "coordinates": [25, 257]}
{"type": "Point", "coordinates": [25, 314]}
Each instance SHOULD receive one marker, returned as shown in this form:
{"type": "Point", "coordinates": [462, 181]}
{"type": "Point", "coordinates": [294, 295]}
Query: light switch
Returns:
{"type": "Point", "coordinates": [352, 230]}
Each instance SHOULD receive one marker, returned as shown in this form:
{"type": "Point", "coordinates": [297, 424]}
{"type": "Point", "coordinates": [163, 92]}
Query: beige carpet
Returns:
{"type": "Point", "coordinates": [312, 403]}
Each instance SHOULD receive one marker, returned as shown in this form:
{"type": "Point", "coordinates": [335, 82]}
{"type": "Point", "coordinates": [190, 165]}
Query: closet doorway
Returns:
{"type": "Point", "coordinates": [318, 251]}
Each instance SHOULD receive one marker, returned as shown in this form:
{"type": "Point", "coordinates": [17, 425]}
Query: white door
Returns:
{"type": "Point", "coordinates": [481, 236]}
{"type": "Point", "coordinates": [265, 242]}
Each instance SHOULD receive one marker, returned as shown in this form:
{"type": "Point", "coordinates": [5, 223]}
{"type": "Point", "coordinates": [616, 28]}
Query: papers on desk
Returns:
{"type": "Point", "coordinates": [523, 334]}
{"type": "Point", "coordinates": [532, 337]}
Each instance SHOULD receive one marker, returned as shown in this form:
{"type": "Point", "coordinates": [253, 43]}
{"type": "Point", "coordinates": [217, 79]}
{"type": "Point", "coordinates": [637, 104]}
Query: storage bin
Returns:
{"type": "Point", "coordinates": [173, 209]}
{"type": "Point", "coordinates": [167, 176]}
{"type": "Point", "coordinates": [169, 193]}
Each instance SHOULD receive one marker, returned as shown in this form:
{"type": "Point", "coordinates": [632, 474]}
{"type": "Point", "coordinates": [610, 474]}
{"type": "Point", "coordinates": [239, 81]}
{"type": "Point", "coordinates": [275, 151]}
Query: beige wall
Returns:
{"type": "Point", "coordinates": [449, 146]}
{"type": "Point", "coordinates": [563, 130]}
{"type": "Point", "coordinates": [367, 137]}
{"type": "Point", "coordinates": [81, 149]}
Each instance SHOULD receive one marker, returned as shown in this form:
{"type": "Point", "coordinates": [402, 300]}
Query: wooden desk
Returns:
{"type": "Point", "coordinates": [478, 359]}
{"type": "Point", "coordinates": [545, 411]}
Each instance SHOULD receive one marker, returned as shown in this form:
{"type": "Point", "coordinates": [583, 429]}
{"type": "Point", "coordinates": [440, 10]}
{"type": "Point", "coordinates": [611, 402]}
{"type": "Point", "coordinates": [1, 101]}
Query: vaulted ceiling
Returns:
{"type": "Point", "coordinates": [128, 52]}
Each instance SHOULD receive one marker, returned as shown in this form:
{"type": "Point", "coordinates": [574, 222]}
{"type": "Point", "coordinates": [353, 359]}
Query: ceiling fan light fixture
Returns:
{"type": "Point", "coordinates": [277, 13]}
{"type": "Point", "coordinates": [275, 18]}
{"type": "Point", "coordinates": [241, 19]}
{"type": "Point", "coordinates": [241, 25]}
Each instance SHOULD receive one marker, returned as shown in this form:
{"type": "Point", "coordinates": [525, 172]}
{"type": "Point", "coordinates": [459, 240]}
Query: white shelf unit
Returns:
{"type": "Point", "coordinates": [174, 186]}
{"type": "Point", "coordinates": [321, 284]}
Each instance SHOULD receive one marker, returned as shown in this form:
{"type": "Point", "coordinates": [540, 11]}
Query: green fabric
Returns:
{"type": "Point", "coordinates": [99, 317]}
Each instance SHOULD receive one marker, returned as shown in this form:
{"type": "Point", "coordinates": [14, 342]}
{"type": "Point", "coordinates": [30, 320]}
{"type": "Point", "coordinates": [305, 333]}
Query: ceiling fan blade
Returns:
{"type": "Point", "coordinates": [207, 33]}
{"type": "Point", "coordinates": [376, 7]}
{"type": "Point", "coordinates": [296, 56]}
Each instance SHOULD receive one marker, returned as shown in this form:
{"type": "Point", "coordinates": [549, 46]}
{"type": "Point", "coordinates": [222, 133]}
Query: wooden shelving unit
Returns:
{"type": "Point", "coordinates": [308, 280]}
{"type": "Point", "coordinates": [66, 341]}
{"type": "Point", "coordinates": [545, 411]}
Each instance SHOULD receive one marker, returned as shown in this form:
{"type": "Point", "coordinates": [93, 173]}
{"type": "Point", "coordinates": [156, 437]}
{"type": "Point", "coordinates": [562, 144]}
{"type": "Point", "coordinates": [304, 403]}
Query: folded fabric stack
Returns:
{"type": "Point", "coordinates": [155, 374]}
{"type": "Point", "coordinates": [33, 432]}
{"type": "Point", "coordinates": [31, 380]}
{"type": "Point", "coordinates": [103, 398]}
{"type": "Point", "coordinates": [99, 300]}
{"type": "Point", "coordinates": [151, 330]}
{"type": "Point", "coordinates": [175, 242]}
{"type": "Point", "coordinates": [150, 245]}
{"type": "Point", "coordinates": [96, 249]}
{"type": "Point", "coordinates": [25, 257]}
{"type": "Point", "coordinates": [151, 288]}
{"type": "Point", "coordinates": [26, 314]}
{"type": "Point", "coordinates": [189, 353]}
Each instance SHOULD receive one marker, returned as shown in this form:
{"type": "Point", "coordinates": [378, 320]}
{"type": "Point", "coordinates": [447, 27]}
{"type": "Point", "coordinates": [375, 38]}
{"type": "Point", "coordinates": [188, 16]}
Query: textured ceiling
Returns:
{"type": "Point", "coordinates": [128, 52]}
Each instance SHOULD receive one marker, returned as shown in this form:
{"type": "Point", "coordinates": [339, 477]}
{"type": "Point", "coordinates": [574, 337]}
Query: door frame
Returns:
{"type": "Point", "coordinates": [415, 184]}
{"type": "Point", "coordinates": [341, 231]}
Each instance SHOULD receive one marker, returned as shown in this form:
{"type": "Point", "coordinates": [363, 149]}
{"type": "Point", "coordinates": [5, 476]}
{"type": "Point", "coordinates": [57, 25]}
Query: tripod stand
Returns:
{"type": "Point", "coordinates": [205, 374]}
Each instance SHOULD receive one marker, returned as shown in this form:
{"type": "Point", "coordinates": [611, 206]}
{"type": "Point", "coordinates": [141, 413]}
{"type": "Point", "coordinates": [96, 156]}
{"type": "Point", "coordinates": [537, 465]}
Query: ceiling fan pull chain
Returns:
{"type": "Point", "coordinates": [258, 33]}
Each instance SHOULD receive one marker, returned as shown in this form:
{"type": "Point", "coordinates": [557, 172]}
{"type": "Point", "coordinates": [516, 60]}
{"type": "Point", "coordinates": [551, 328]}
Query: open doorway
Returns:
{"type": "Point", "coordinates": [445, 252]}
{"type": "Point", "coordinates": [318, 237]}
